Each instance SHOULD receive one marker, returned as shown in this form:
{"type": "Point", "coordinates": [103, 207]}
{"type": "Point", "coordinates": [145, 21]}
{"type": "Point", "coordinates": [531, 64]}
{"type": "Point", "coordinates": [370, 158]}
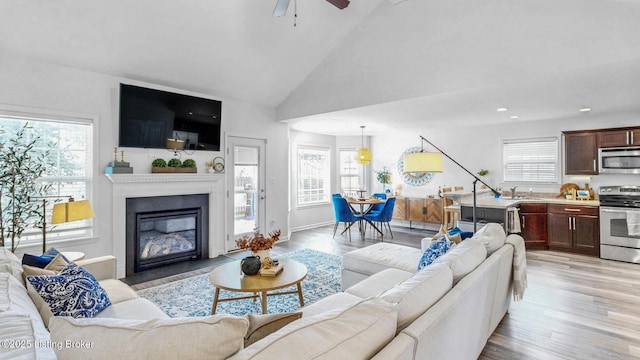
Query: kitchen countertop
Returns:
{"type": "Point", "coordinates": [503, 203]}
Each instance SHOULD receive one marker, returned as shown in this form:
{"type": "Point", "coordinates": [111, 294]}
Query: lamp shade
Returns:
{"type": "Point", "coordinates": [422, 162]}
{"type": "Point", "coordinates": [363, 155]}
{"type": "Point", "coordinates": [175, 144]}
{"type": "Point", "coordinates": [71, 211]}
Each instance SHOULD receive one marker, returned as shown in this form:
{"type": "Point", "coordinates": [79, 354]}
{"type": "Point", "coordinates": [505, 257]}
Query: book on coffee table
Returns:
{"type": "Point", "coordinates": [273, 271]}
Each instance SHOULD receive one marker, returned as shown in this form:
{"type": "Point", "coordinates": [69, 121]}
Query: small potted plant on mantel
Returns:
{"type": "Point", "coordinates": [173, 166]}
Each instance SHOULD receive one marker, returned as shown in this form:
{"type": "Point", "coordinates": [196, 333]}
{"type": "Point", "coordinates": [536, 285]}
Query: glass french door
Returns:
{"type": "Point", "coordinates": [246, 188]}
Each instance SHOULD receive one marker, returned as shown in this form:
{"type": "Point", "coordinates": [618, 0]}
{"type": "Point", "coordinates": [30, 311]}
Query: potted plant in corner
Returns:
{"type": "Point", "coordinates": [22, 164]}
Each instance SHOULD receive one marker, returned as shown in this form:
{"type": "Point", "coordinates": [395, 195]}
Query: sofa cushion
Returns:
{"type": "Point", "coordinates": [34, 270]}
{"type": "Point", "coordinates": [261, 325]}
{"type": "Point", "coordinates": [36, 260]}
{"type": "Point", "coordinates": [9, 263]}
{"type": "Point", "coordinates": [58, 263]}
{"type": "Point", "coordinates": [463, 258]}
{"type": "Point", "coordinates": [492, 236]}
{"type": "Point", "coordinates": [417, 294]}
{"type": "Point", "coordinates": [209, 337]}
{"type": "Point", "coordinates": [329, 303]}
{"type": "Point", "coordinates": [73, 292]}
{"type": "Point", "coordinates": [378, 283]}
{"type": "Point", "coordinates": [360, 330]}
{"type": "Point", "coordinates": [134, 309]}
{"type": "Point", "coordinates": [20, 321]}
{"type": "Point", "coordinates": [380, 256]}
{"type": "Point", "coordinates": [23, 337]}
{"type": "Point", "coordinates": [436, 249]}
{"type": "Point", "coordinates": [117, 291]}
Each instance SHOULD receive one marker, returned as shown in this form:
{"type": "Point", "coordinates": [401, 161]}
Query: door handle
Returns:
{"type": "Point", "coordinates": [574, 223]}
{"type": "Point", "coordinates": [523, 222]}
{"type": "Point", "coordinates": [594, 165]}
{"type": "Point", "coordinates": [569, 219]}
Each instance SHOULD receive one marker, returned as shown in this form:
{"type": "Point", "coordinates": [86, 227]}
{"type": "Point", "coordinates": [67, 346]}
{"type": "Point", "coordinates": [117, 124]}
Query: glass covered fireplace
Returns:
{"type": "Point", "coordinates": [166, 229]}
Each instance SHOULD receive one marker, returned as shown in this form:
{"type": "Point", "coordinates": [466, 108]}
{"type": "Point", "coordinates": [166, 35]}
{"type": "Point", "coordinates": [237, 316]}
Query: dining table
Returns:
{"type": "Point", "coordinates": [365, 205]}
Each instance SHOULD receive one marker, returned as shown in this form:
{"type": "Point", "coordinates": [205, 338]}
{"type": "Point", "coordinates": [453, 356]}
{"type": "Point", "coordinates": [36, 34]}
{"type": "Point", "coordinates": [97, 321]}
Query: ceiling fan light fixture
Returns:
{"type": "Point", "coordinates": [340, 4]}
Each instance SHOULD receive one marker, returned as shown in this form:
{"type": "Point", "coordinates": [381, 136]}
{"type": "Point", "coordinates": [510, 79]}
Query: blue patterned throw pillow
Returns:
{"type": "Point", "coordinates": [73, 292]}
{"type": "Point", "coordinates": [437, 248]}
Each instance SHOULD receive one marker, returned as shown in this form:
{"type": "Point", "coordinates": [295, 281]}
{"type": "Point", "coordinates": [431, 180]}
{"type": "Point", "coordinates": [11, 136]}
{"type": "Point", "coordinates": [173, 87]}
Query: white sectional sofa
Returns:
{"type": "Point", "coordinates": [388, 310]}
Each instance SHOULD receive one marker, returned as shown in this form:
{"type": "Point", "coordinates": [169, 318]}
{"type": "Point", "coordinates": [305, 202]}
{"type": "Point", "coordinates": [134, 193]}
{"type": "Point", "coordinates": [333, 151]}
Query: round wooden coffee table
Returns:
{"type": "Point", "coordinates": [229, 277]}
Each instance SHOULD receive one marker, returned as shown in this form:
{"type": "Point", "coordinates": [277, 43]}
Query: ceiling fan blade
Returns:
{"type": "Point", "coordinates": [340, 4]}
{"type": "Point", "coordinates": [281, 8]}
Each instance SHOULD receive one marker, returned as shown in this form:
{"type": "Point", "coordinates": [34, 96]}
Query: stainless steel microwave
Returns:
{"type": "Point", "coordinates": [619, 160]}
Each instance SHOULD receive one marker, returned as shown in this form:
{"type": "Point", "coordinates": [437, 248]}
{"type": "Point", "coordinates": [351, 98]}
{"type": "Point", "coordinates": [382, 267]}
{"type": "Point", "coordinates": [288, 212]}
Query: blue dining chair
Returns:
{"type": "Point", "coordinates": [344, 214]}
{"type": "Point", "coordinates": [378, 207]}
{"type": "Point", "coordinates": [384, 216]}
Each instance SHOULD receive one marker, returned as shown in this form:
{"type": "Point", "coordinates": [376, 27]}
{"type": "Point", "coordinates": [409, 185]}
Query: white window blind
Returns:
{"type": "Point", "coordinates": [314, 183]}
{"type": "Point", "coordinates": [531, 160]}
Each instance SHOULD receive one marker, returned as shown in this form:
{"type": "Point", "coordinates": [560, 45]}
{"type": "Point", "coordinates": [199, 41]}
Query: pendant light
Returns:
{"type": "Point", "coordinates": [363, 154]}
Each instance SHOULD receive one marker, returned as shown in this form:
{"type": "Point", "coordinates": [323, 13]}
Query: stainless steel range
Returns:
{"type": "Point", "coordinates": [620, 223]}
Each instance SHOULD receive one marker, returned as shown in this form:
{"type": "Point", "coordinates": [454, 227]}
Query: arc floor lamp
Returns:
{"type": "Point", "coordinates": [65, 212]}
{"type": "Point", "coordinates": [432, 162]}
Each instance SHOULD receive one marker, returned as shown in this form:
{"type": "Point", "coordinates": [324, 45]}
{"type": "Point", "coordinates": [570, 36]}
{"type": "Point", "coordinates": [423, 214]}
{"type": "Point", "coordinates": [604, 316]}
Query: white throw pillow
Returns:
{"type": "Point", "coordinates": [417, 294]}
{"type": "Point", "coordinates": [463, 258]}
{"type": "Point", "coordinates": [357, 331]}
{"type": "Point", "coordinates": [210, 337]}
{"type": "Point", "coordinates": [492, 236]}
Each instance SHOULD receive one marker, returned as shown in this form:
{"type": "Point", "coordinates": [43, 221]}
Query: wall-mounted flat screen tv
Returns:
{"type": "Point", "coordinates": [149, 117]}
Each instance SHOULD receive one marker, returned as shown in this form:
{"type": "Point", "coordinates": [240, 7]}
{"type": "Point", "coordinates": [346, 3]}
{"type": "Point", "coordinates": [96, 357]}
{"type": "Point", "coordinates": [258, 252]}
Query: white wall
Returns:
{"type": "Point", "coordinates": [480, 147]}
{"type": "Point", "coordinates": [32, 84]}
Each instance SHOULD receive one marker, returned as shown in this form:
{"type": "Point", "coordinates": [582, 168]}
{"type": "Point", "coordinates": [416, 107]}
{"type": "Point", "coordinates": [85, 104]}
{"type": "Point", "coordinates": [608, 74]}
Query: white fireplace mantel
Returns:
{"type": "Point", "coordinates": [146, 185]}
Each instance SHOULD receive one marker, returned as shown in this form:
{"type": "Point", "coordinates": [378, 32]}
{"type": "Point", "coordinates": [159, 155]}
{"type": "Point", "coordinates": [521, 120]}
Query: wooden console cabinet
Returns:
{"type": "Point", "coordinates": [574, 228]}
{"type": "Point", "coordinates": [418, 209]}
{"type": "Point", "coordinates": [533, 221]}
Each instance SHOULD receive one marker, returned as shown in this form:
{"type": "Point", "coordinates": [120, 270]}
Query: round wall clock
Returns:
{"type": "Point", "coordinates": [218, 164]}
{"type": "Point", "coordinates": [416, 178]}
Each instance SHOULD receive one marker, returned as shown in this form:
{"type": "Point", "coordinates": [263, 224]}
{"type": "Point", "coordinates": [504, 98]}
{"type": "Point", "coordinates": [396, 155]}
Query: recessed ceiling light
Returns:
{"type": "Point", "coordinates": [514, 117]}
{"type": "Point", "coordinates": [585, 109]}
{"type": "Point", "coordinates": [501, 109]}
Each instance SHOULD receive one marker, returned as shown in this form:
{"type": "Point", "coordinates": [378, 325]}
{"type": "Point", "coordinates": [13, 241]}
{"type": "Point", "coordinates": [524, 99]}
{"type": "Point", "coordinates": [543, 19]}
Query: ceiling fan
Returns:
{"type": "Point", "coordinates": [282, 5]}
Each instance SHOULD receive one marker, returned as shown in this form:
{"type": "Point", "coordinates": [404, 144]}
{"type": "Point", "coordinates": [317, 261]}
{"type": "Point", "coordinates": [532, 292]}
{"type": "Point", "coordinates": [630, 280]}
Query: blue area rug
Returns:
{"type": "Point", "coordinates": [193, 296]}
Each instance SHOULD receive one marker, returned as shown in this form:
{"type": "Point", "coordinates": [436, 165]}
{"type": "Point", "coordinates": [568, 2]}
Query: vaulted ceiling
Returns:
{"type": "Point", "coordinates": [377, 62]}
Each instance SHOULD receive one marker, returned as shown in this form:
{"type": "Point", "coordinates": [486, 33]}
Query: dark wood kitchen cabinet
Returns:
{"type": "Point", "coordinates": [619, 137]}
{"type": "Point", "coordinates": [574, 228]}
{"type": "Point", "coordinates": [533, 221]}
{"type": "Point", "coordinates": [581, 153]}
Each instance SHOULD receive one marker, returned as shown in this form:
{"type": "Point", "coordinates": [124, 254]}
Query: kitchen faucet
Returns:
{"type": "Point", "coordinates": [513, 192]}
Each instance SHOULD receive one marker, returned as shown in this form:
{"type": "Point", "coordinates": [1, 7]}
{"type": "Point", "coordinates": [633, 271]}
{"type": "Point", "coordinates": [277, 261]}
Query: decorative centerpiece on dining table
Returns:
{"type": "Point", "coordinates": [258, 244]}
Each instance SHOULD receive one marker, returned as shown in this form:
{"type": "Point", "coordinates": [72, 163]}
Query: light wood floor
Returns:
{"type": "Point", "coordinates": [575, 307]}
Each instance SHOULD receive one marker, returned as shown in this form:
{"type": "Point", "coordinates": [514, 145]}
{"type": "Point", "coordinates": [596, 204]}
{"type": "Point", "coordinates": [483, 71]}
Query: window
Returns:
{"type": "Point", "coordinates": [349, 174]}
{"type": "Point", "coordinates": [70, 144]}
{"type": "Point", "coordinates": [531, 160]}
{"type": "Point", "coordinates": [313, 176]}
